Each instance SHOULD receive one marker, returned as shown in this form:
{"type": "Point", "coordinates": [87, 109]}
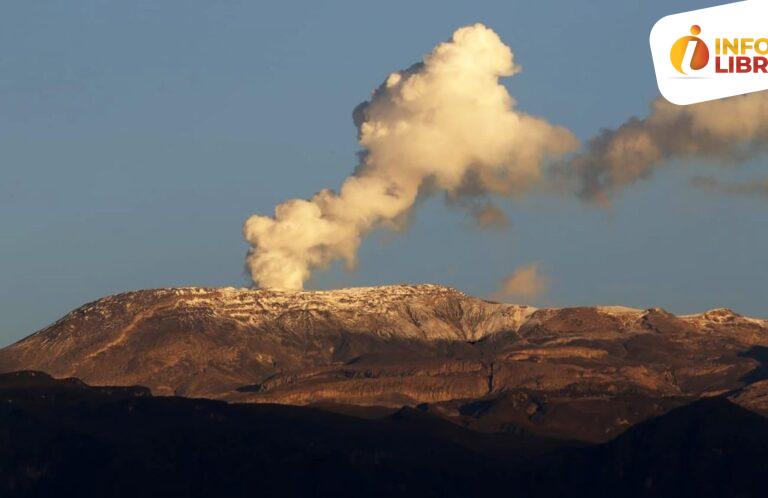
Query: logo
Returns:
{"type": "Point", "coordinates": [712, 53]}
{"type": "Point", "coordinates": [689, 52]}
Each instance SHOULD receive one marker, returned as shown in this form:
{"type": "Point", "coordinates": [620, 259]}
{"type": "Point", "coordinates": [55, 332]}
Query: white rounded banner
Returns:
{"type": "Point", "coordinates": [712, 53]}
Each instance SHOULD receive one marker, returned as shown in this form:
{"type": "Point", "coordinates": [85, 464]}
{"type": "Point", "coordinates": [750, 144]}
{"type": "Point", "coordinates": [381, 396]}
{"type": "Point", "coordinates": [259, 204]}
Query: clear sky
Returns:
{"type": "Point", "coordinates": [136, 137]}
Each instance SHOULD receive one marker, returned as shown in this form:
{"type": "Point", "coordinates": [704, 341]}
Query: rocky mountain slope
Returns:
{"type": "Point", "coordinates": [585, 373]}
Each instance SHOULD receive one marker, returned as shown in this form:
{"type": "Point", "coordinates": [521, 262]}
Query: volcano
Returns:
{"type": "Point", "coordinates": [583, 373]}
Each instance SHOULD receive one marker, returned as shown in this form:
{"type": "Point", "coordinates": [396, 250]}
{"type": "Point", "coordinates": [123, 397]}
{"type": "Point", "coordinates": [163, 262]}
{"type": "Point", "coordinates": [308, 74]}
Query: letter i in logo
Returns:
{"type": "Point", "coordinates": [694, 47]}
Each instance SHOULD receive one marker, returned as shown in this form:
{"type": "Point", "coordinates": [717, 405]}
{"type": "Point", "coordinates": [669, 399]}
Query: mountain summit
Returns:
{"type": "Point", "coordinates": [483, 363]}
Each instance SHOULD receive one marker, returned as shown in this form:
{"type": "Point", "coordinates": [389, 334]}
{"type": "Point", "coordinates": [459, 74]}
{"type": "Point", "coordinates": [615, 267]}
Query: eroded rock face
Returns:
{"type": "Point", "coordinates": [482, 363]}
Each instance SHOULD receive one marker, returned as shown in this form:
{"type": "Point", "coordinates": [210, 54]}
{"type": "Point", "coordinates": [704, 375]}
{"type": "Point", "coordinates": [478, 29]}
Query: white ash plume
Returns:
{"type": "Point", "coordinates": [446, 123]}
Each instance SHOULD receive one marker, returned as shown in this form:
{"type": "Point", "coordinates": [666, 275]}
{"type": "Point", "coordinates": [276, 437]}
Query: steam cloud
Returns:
{"type": "Point", "coordinates": [526, 282]}
{"type": "Point", "coordinates": [445, 124]}
{"type": "Point", "coordinates": [725, 131]}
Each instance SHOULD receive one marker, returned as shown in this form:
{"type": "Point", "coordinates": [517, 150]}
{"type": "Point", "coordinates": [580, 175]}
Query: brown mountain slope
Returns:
{"type": "Point", "coordinates": [485, 364]}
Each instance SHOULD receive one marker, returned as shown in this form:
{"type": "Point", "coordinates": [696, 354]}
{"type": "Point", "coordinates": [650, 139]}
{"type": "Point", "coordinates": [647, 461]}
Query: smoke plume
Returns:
{"type": "Point", "coordinates": [725, 131]}
{"type": "Point", "coordinates": [445, 124]}
{"type": "Point", "coordinates": [489, 215]}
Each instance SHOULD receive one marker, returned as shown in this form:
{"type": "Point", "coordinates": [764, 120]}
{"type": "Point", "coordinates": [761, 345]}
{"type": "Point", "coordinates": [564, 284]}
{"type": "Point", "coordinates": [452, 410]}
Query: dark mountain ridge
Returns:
{"type": "Point", "coordinates": [64, 438]}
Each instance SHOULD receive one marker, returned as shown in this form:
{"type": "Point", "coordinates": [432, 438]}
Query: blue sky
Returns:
{"type": "Point", "coordinates": [136, 137]}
